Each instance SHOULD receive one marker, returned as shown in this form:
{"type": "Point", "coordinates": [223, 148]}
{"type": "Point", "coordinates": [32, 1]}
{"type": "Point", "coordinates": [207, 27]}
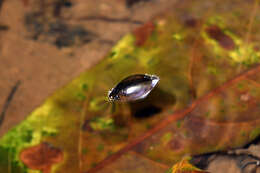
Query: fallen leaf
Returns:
{"type": "Point", "coordinates": [207, 99]}
{"type": "Point", "coordinates": [184, 167]}
{"type": "Point", "coordinates": [41, 157]}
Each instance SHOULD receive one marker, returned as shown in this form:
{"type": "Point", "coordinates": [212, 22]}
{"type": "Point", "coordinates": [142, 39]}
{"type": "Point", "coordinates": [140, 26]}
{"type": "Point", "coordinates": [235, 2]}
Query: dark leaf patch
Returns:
{"type": "Point", "coordinates": [58, 5]}
{"type": "Point", "coordinates": [223, 39]}
{"type": "Point", "coordinates": [147, 111]}
{"type": "Point", "coordinates": [142, 33]}
{"type": "Point", "coordinates": [191, 22]}
{"type": "Point", "coordinates": [41, 157]}
{"type": "Point", "coordinates": [130, 3]}
{"type": "Point", "coordinates": [3, 27]}
{"type": "Point", "coordinates": [1, 3]}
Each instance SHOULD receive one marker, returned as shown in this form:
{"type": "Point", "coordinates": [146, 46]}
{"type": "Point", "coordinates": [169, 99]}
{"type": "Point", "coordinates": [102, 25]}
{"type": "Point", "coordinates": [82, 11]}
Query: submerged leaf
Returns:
{"type": "Point", "coordinates": [208, 97]}
{"type": "Point", "coordinates": [41, 157]}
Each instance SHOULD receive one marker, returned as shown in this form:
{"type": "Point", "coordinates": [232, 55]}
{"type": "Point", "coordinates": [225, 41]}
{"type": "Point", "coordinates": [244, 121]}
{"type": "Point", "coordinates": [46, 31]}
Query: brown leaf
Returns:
{"type": "Point", "coordinates": [185, 167]}
{"type": "Point", "coordinates": [223, 39]}
{"type": "Point", "coordinates": [142, 33]}
{"type": "Point", "coordinates": [41, 157]}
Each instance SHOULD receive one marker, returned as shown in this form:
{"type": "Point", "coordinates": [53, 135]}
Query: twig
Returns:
{"type": "Point", "coordinates": [256, 163]}
{"type": "Point", "coordinates": [3, 27]}
{"type": "Point", "coordinates": [8, 101]}
{"type": "Point", "coordinates": [112, 20]}
{"type": "Point", "coordinates": [1, 3]}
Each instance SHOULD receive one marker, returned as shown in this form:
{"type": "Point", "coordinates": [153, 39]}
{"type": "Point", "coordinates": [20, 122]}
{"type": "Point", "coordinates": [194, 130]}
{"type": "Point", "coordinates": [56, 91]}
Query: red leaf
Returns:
{"type": "Point", "coordinates": [41, 157]}
{"type": "Point", "coordinates": [142, 33]}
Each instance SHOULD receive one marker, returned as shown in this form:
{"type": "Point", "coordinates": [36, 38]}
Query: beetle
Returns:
{"type": "Point", "coordinates": [133, 87]}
